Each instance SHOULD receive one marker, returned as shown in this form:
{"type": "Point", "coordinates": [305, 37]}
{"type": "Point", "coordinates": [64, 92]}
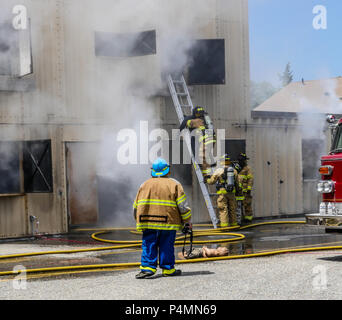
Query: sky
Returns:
{"type": "Point", "coordinates": [283, 31]}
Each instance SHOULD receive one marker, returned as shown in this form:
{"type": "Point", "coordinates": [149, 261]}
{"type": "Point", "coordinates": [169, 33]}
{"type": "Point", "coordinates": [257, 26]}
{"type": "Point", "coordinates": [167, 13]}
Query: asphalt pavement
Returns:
{"type": "Point", "coordinates": [291, 276]}
{"type": "Point", "coordinates": [298, 276]}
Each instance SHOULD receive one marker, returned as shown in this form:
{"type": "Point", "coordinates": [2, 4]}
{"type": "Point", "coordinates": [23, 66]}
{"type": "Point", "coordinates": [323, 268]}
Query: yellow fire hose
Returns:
{"type": "Point", "coordinates": [137, 243]}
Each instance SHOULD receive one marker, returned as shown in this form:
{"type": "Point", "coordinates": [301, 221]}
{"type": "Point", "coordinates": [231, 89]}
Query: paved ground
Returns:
{"type": "Point", "coordinates": [315, 276]}
{"type": "Point", "coordinates": [295, 276]}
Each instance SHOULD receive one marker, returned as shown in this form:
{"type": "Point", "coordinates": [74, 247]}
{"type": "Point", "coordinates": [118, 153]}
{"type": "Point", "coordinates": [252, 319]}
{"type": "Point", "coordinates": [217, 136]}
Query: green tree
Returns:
{"type": "Point", "coordinates": [287, 76]}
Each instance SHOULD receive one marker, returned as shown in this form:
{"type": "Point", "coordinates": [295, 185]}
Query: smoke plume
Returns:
{"type": "Point", "coordinates": [134, 85]}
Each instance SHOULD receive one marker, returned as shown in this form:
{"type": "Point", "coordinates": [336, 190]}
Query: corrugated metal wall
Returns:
{"type": "Point", "coordinates": [276, 159]}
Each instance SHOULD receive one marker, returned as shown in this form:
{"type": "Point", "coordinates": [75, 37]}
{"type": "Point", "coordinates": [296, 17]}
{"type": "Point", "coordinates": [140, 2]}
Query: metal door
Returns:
{"type": "Point", "coordinates": [81, 182]}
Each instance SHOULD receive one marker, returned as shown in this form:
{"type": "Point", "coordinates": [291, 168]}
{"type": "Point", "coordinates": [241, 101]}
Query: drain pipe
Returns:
{"type": "Point", "coordinates": [34, 225]}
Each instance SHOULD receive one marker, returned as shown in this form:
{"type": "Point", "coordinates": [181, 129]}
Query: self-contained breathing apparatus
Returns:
{"type": "Point", "coordinates": [199, 112]}
{"type": "Point", "coordinates": [237, 166]}
{"type": "Point", "coordinates": [208, 123]}
{"type": "Point", "coordinates": [227, 180]}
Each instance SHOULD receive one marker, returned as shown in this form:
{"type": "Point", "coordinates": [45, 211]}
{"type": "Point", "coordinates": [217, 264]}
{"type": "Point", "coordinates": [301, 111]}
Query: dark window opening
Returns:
{"type": "Point", "coordinates": [312, 149]}
{"type": "Point", "coordinates": [125, 45]}
{"type": "Point", "coordinates": [207, 63]}
{"type": "Point", "coordinates": [9, 167]}
{"type": "Point", "coordinates": [37, 165]}
{"type": "Point", "coordinates": [181, 170]}
{"type": "Point", "coordinates": [234, 148]}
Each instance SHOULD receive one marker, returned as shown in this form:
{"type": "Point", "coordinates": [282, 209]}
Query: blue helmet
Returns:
{"type": "Point", "coordinates": [160, 168]}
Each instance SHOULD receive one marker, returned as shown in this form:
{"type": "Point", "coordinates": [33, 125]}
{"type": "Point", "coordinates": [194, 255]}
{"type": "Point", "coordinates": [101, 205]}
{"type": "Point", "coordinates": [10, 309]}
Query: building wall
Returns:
{"type": "Point", "coordinates": [278, 162]}
{"type": "Point", "coordinates": [73, 99]}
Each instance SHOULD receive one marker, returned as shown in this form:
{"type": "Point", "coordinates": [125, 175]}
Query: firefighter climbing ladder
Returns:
{"type": "Point", "coordinates": [182, 101]}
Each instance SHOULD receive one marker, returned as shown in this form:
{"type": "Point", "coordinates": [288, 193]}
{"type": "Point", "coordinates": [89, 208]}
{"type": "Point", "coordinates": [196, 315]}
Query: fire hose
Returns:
{"type": "Point", "coordinates": [121, 244]}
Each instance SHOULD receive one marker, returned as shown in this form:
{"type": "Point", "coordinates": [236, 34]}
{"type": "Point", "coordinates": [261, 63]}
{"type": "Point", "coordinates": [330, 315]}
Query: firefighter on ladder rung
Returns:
{"type": "Point", "coordinates": [201, 123]}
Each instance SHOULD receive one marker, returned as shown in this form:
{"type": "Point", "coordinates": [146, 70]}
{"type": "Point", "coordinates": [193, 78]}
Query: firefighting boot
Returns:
{"type": "Point", "coordinates": [171, 273]}
{"type": "Point", "coordinates": [248, 219]}
{"type": "Point", "coordinates": [234, 224]}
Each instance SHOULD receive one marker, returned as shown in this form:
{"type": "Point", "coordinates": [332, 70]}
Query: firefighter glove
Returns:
{"type": "Point", "coordinates": [187, 228]}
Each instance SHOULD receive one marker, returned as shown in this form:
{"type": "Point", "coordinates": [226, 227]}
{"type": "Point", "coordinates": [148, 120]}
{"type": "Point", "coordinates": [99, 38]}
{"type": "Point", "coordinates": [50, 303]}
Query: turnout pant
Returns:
{"type": "Point", "coordinates": [205, 154]}
{"type": "Point", "coordinates": [158, 243]}
{"type": "Point", "coordinates": [247, 207]}
{"type": "Point", "coordinates": [226, 204]}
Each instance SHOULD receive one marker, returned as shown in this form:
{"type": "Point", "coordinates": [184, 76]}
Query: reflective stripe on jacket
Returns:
{"type": "Point", "coordinates": [161, 204]}
{"type": "Point", "coordinates": [246, 178]}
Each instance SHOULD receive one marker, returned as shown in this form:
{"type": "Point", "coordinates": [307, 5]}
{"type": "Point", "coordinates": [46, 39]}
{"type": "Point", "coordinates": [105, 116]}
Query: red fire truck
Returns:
{"type": "Point", "coordinates": [330, 185]}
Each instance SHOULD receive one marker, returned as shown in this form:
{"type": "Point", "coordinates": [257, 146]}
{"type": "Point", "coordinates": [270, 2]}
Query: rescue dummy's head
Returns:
{"type": "Point", "coordinates": [160, 168]}
{"type": "Point", "coordinates": [225, 160]}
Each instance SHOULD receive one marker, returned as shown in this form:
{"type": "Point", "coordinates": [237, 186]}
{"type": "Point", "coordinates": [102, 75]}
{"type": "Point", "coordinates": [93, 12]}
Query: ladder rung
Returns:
{"type": "Point", "coordinates": [213, 194]}
{"type": "Point", "coordinates": [177, 81]}
{"type": "Point", "coordinates": [182, 94]}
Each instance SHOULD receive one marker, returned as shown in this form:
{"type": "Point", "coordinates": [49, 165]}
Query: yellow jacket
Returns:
{"type": "Point", "coordinates": [161, 204]}
{"type": "Point", "coordinates": [198, 124]}
{"type": "Point", "coordinates": [246, 179]}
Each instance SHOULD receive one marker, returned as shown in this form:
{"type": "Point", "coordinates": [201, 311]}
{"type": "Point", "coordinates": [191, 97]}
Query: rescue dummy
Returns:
{"type": "Point", "coordinates": [204, 252]}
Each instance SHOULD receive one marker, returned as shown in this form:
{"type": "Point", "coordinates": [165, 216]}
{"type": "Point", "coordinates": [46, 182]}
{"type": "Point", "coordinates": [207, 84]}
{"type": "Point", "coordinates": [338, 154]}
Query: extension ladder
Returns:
{"type": "Point", "coordinates": [182, 102]}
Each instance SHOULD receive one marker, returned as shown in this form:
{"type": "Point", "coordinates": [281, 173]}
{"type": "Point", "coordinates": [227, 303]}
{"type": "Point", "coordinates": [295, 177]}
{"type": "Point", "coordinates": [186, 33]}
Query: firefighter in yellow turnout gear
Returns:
{"type": "Point", "coordinates": [205, 135]}
{"type": "Point", "coordinates": [246, 180]}
{"type": "Point", "coordinates": [226, 179]}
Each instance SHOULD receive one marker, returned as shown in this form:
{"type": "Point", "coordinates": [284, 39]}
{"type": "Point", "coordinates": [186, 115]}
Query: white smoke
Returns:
{"type": "Point", "coordinates": [312, 119]}
{"type": "Point", "coordinates": [314, 109]}
{"type": "Point", "coordinates": [129, 91]}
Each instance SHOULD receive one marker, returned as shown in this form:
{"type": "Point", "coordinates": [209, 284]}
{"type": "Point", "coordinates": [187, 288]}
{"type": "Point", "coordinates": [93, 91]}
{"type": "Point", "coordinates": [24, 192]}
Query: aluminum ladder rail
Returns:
{"type": "Point", "coordinates": [178, 101]}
